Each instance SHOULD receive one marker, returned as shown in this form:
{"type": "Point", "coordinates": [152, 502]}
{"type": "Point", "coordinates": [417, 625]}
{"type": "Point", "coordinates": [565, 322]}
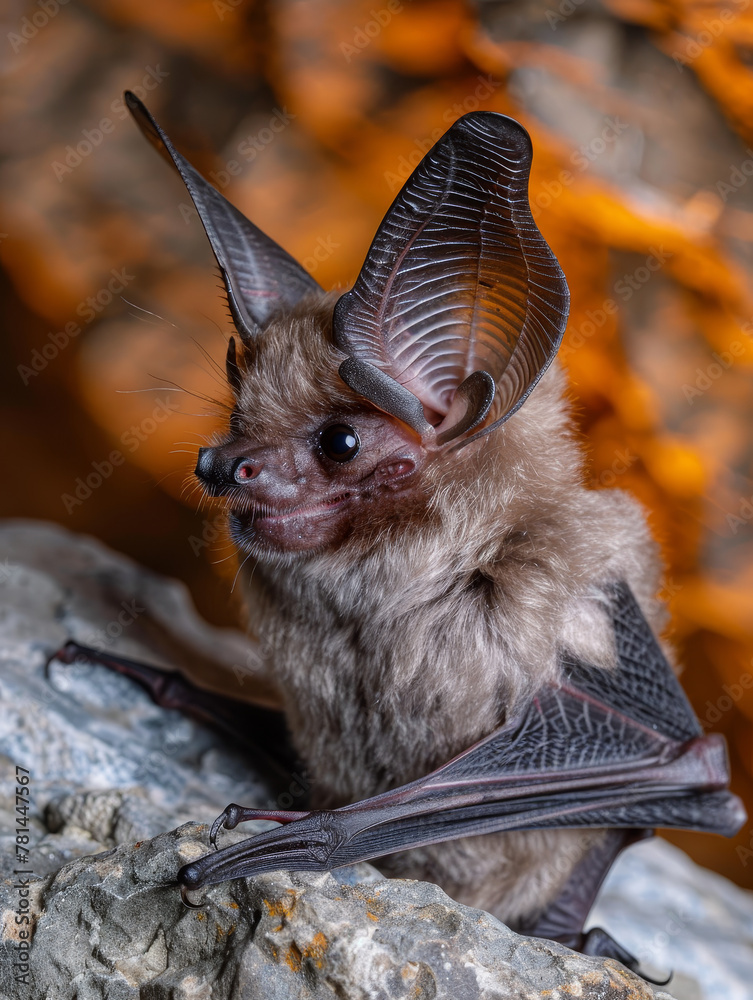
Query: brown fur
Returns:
{"type": "Point", "coordinates": [413, 637]}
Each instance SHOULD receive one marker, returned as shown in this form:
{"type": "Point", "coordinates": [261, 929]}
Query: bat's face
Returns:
{"type": "Point", "coordinates": [342, 406]}
{"type": "Point", "coordinates": [307, 463]}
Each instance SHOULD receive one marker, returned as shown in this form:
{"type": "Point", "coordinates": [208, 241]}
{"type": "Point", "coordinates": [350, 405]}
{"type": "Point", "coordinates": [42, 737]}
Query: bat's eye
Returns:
{"type": "Point", "coordinates": [340, 442]}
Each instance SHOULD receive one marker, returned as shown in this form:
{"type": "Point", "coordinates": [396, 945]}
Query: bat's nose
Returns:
{"type": "Point", "coordinates": [206, 467]}
{"type": "Point", "coordinates": [213, 469]}
{"type": "Point", "coordinates": [218, 470]}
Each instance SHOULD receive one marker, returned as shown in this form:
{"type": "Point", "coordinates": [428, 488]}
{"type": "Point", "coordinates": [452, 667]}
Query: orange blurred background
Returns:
{"type": "Point", "coordinates": [309, 116]}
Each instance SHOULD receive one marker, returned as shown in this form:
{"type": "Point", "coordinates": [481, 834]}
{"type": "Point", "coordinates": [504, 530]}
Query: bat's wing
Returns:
{"type": "Point", "coordinates": [620, 749]}
{"type": "Point", "coordinates": [260, 277]}
{"type": "Point", "coordinates": [460, 304]}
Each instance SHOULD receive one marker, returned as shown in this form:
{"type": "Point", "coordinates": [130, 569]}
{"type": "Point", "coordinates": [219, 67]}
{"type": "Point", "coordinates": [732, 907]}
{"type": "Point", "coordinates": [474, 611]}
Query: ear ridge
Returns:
{"type": "Point", "coordinates": [458, 278]}
{"type": "Point", "coordinates": [471, 403]}
{"type": "Point", "coordinates": [259, 276]}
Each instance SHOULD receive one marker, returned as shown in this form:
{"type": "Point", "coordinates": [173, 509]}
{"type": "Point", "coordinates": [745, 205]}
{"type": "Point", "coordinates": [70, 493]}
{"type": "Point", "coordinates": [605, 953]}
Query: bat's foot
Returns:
{"type": "Point", "coordinates": [564, 917]}
{"type": "Point", "coordinates": [260, 730]}
{"type": "Point", "coordinates": [598, 943]}
{"type": "Point", "coordinates": [168, 689]}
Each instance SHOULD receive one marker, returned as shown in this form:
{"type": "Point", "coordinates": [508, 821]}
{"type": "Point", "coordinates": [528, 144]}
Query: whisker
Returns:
{"type": "Point", "coordinates": [148, 311]}
{"type": "Point", "coordinates": [212, 361]}
{"type": "Point", "coordinates": [156, 388]}
{"type": "Point", "coordinates": [235, 580]}
{"type": "Point", "coordinates": [221, 380]}
{"type": "Point", "coordinates": [218, 562]}
{"type": "Point", "coordinates": [161, 480]}
{"type": "Point", "coordinates": [197, 395]}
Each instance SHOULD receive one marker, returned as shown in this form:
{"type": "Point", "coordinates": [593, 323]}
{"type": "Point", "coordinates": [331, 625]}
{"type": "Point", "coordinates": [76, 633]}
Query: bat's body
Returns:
{"type": "Point", "coordinates": [415, 636]}
{"type": "Point", "coordinates": [423, 565]}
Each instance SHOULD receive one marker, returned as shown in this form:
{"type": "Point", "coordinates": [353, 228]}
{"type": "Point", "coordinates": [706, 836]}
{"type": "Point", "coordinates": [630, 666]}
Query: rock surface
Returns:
{"type": "Point", "coordinates": [111, 775]}
{"type": "Point", "coordinates": [109, 925]}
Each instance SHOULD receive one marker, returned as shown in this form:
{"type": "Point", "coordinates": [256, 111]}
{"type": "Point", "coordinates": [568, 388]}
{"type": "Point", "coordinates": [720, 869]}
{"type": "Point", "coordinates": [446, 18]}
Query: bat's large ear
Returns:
{"type": "Point", "coordinates": [460, 305]}
{"type": "Point", "coordinates": [260, 277]}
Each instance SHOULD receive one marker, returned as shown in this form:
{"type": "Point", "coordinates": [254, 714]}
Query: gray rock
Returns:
{"type": "Point", "coordinates": [84, 727]}
{"type": "Point", "coordinates": [112, 775]}
{"type": "Point", "coordinates": [114, 926]}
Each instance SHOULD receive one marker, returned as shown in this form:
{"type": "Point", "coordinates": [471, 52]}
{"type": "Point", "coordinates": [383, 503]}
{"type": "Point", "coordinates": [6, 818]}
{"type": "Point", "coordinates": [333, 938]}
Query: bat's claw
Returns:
{"type": "Point", "coordinates": [193, 900]}
{"type": "Point", "coordinates": [234, 814]}
{"type": "Point", "coordinates": [655, 982]}
{"type": "Point", "coordinates": [228, 819]}
{"type": "Point", "coordinates": [67, 654]}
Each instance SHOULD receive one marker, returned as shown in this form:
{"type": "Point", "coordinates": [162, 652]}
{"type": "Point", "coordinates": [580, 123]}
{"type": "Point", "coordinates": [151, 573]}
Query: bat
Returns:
{"type": "Point", "coordinates": [462, 634]}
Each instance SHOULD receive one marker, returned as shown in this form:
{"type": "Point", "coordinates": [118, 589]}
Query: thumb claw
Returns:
{"type": "Point", "coordinates": [216, 827]}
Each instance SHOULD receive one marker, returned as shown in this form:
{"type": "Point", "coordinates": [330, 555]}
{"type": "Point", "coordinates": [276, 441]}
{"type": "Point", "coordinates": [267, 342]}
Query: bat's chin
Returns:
{"type": "Point", "coordinates": [308, 527]}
